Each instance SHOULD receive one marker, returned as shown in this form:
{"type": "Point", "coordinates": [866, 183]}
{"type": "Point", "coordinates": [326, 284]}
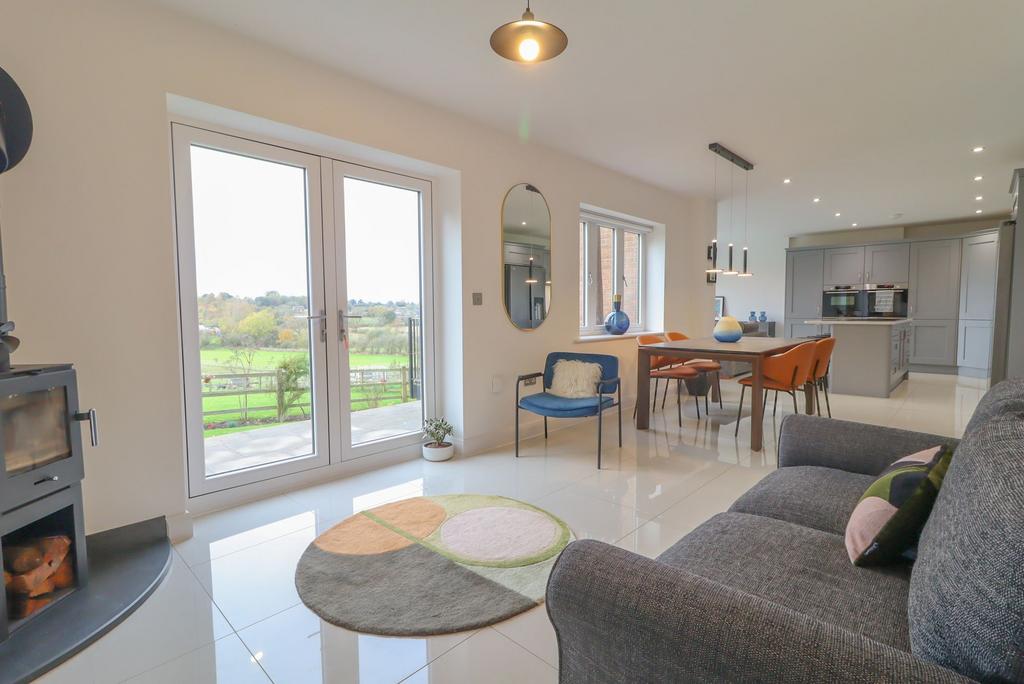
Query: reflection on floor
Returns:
{"type": "Point", "coordinates": [237, 450]}
{"type": "Point", "coordinates": [228, 612]}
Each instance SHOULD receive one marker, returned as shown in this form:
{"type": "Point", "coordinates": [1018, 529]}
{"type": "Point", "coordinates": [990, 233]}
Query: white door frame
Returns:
{"type": "Point", "coordinates": [338, 299]}
{"type": "Point", "coordinates": [183, 137]}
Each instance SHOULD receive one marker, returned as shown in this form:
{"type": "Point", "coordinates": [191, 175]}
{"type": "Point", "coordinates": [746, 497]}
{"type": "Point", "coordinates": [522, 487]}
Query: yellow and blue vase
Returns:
{"type": "Point", "coordinates": [728, 329]}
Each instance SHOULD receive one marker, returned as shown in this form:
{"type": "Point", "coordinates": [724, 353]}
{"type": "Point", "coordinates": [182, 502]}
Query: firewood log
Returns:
{"type": "Point", "coordinates": [64, 577]}
{"type": "Point", "coordinates": [55, 550]}
{"type": "Point", "coordinates": [22, 606]}
{"type": "Point", "coordinates": [19, 559]}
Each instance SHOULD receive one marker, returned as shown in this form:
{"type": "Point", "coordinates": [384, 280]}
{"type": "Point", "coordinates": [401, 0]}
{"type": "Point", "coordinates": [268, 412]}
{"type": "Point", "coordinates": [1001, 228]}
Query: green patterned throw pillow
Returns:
{"type": "Point", "coordinates": [888, 519]}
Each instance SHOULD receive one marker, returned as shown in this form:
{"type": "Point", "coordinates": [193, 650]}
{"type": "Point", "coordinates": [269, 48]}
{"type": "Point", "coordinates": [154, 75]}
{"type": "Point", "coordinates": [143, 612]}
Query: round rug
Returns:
{"type": "Point", "coordinates": [431, 565]}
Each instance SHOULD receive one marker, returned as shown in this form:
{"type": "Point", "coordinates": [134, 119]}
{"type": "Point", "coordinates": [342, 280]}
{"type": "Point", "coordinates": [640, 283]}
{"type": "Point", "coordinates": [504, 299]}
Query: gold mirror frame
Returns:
{"type": "Point", "coordinates": [527, 258]}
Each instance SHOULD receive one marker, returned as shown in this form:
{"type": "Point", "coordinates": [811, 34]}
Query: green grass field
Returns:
{"type": "Point", "coordinates": [219, 360]}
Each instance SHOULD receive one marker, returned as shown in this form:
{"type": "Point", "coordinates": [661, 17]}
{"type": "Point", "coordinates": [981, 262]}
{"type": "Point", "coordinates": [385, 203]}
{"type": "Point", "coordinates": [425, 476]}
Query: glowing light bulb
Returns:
{"type": "Point", "coordinates": [529, 48]}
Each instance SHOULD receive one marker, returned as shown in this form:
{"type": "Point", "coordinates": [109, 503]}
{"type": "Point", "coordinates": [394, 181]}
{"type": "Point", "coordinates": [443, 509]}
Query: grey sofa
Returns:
{"type": "Point", "coordinates": [766, 593]}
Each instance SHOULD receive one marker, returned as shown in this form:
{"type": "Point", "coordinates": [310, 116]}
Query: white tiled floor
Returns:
{"type": "Point", "coordinates": [228, 611]}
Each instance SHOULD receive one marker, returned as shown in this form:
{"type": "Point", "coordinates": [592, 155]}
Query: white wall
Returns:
{"type": "Point", "coordinates": [89, 234]}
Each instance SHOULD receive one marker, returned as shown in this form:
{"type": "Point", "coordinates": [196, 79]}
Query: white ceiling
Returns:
{"type": "Point", "coordinates": [872, 105]}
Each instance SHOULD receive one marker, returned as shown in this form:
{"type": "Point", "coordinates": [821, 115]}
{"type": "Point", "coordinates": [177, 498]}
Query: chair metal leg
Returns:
{"type": "Point", "coordinates": [517, 431]}
{"type": "Point", "coordinates": [696, 402]}
{"type": "Point", "coordinates": [707, 411]}
{"type": "Point", "coordinates": [739, 414]}
{"type": "Point", "coordinates": [654, 401]}
{"type": "Point", "coordinates": [620, 415]}
{"type": "Point", "coordinates": [545, 427]}
{"type": "Point", "coordinates": [664, 395]}
{"type": "Point", "coordinates": [679, 402]}
{"type": "Point", "coordinates": [817, 398]}
{"type": "Point", "coordinates": [792, 394]}
{"type": "Point", "coordinates": [824, 385]}
{"type": "Point", "coordinates": [775, 404]}
{"type": "Point", "coordinates": [718, 383]}
{"type": "Point", "coordinates": [600, 413]}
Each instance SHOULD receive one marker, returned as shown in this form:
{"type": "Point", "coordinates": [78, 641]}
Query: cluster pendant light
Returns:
{"type": "Point", "coordinates": [528, 40]}
{"type": "Point", "coordinates": [742, 163]}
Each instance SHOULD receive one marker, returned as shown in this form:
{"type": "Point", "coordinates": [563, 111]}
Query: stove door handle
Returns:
{"type": "Point", "coordinates": [94, 433]}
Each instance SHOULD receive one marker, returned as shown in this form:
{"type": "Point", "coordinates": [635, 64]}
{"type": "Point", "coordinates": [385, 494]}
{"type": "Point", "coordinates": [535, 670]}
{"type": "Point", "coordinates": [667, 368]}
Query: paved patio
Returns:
{"type": "Point", "coordinates": [238, 450]}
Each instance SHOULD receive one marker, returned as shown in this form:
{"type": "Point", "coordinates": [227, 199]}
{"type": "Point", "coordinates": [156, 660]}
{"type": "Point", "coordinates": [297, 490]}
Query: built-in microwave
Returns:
{"type": "Point", "coordinates": [885, 301]}
{"type": "Point", "coordinates": [842, 302]}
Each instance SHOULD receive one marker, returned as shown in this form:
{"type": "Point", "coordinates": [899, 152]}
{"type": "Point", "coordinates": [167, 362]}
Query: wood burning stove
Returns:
{"type": "Point", "coordinates": [42, 536]}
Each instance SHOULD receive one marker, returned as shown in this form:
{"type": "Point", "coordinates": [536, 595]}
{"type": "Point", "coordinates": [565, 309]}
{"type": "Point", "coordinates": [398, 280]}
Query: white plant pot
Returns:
{"type": "Point", "coordinates": [438, 453]}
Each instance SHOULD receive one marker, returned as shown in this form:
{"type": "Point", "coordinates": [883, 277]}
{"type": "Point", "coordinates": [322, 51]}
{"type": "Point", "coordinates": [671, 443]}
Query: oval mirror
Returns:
{"type": "Point", "coordinates": [526, 256]}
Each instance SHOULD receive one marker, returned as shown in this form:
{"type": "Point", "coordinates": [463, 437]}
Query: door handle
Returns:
{"type": "Point", "coordinates": [94, 429]}
{"type": "Point", "coordinates": [322, 317]}
{"type": "Point", "coordinates": [342, 328]}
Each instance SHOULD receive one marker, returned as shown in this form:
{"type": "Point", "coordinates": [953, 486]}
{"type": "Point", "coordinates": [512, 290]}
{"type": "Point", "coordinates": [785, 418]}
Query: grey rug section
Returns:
{"type": "Point", "coordinates": [409, 592]}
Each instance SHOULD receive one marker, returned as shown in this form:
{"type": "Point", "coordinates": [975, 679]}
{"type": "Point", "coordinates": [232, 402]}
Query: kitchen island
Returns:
{"type": "Point", "coordinates": [872, 355]}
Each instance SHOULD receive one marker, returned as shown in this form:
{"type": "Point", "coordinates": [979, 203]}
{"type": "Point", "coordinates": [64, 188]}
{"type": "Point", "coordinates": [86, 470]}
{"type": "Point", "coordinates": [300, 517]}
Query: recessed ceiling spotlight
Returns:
{"type": "Point", "coordinates": [978, 198]}
{"type": "Point", "coordinates": [838, 214]}
{"type": "Point", "coordinates": [787, 181]}
{"type": "Point", "coordinates": [978, 178]}
{"type": "Point", "coordinates": [854, 225]}
{"type": "Point", "coordinates": [979, 148]}
{"type": "Point", "coordinates": [977, 211]}
{"type": "Point", "coordinates": [816, 200]}
{"type": "Point", "coordinates": [524, 223]}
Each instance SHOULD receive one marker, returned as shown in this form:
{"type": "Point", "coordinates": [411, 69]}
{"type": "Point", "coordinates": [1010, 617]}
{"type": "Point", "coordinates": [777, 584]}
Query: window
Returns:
{"type": "Point", "coordinates": [611, 263]}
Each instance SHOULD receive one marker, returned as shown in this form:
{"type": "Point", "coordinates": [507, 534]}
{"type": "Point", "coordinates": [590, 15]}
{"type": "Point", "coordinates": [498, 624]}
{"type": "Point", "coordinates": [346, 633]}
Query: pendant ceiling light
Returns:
{"type": "Point", "coordinates": [528, 40]}
{"type": "Point", "coordinates": [742, 163]}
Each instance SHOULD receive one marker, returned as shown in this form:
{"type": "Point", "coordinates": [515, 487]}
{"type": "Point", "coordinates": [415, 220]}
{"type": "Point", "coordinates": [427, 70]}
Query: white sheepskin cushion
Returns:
{"type": "Point", "coordinates": [575, 379]}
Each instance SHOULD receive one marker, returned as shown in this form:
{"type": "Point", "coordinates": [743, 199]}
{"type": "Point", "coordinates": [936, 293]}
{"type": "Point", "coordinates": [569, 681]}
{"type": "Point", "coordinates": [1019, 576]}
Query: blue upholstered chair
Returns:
{"type": "Point", "coordinates": [552, 406]}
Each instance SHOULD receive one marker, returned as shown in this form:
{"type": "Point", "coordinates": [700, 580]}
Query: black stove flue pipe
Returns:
{"type": "Point", "coordinates": [15, 138]}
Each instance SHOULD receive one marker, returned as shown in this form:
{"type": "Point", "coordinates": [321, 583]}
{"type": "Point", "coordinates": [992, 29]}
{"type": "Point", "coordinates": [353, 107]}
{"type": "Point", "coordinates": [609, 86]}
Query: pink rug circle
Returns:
{"type": "Point", "coordinates": [499, 533]}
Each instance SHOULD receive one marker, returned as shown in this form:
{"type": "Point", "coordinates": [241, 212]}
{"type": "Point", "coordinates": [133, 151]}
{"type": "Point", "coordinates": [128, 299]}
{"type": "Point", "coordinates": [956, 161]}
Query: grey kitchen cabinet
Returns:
{"type": "Point", "coordinates": [974, 344]}
{"type": "Point", "coordinates": [935, 281]}
{"type": "Point", "coordinates": [844, 266]}
{"type": "Point", "coordinates": [933, 342]}
{"type": "Point", "coordinates": [887, 264]}
{"type": "Point", "coordinates": [798, 328]}
{"type": "Point", "coordinates": [978, 277]}
{"type": "Point", "coordinates": [803, 285]}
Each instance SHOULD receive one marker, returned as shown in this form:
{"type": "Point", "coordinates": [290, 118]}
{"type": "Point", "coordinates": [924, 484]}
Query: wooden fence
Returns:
{"type": "Point", "coordinates": [369, 388]}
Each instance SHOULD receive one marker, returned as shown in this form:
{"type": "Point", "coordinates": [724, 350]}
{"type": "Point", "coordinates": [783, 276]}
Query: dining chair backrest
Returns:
{"type": "Point", "coordinates": [792, 367]}
{"type": "Point", "coordinates": [675, 336]}
{"type": "Point", "coordinates": [822, 355]}
{"type": "Point", "coordinates": [656, 361]}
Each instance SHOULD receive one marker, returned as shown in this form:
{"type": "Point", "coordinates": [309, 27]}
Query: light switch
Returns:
{"type": "Point", "coordinates": [478, 298]}
{"type": "Point", "coordinates": [497, 384]}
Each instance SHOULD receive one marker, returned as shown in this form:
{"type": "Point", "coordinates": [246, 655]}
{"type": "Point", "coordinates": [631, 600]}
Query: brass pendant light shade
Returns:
{"type": "Point", "coordinates": [528, 40]}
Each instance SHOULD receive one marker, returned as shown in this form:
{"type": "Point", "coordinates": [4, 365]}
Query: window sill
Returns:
{"type": "Point", "coordinates": [632, 334]}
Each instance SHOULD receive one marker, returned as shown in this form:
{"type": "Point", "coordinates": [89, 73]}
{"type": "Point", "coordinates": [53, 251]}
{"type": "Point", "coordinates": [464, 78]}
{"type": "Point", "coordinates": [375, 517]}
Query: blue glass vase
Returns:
{"type": "Point", "coordinates": [764, 317]}
{"type": "Point", "coordinates": [617, 322]}
{"type": "Point", "coordinates": [753, 316]}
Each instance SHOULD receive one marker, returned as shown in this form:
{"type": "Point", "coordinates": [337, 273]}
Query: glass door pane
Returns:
{"type": "Point", "coordinates": [382, 302]}
{"type": "Point", "coordinates": [256, 292]}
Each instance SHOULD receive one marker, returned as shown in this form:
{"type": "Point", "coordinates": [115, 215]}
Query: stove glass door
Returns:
{"type": "Point", "coordinates": [35, 429]}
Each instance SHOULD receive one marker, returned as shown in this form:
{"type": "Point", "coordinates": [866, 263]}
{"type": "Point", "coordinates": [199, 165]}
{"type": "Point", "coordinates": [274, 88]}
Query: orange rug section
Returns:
{"type": "Point", "coordinates": [361, 536]}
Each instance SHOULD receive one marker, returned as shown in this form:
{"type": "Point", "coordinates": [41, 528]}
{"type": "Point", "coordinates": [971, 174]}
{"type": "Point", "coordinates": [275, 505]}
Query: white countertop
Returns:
{"type": "Point", "coordinates": [859, 321]}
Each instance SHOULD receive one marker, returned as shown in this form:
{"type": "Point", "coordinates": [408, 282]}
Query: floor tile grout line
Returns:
{"type": "Point", "coordinates": [517, 644]}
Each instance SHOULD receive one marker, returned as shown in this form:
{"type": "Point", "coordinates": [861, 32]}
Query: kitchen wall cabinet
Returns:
{"type": "Point", "coordinates": [844, 266]}
{"type": "Point", "coordinates": [803, 284]}
{"type": "Point", "coordinates": [887, 264]}
{"type": "Point", "coordinates": [933, 343]}
{"type": "Point", "coordinates": [974, 345]}
{"type": "Point", "coordinates": [935, 280]}
{"type": "Point", "coordinates": [978, 277]}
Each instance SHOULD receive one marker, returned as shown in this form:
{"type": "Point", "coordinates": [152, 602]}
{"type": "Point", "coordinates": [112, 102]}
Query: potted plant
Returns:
{"type": "Point", "coordinates": [437, 449]}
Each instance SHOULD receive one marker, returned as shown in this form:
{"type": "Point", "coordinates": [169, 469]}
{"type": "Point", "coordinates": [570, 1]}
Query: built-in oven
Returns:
{"type": "Point", "coordinates": [842, 302]}
{"type": "Point", "coordinates": [885, 301]}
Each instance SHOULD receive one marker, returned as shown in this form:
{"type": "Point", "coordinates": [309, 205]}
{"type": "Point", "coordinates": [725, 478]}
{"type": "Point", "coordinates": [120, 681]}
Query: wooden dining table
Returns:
{"type": "Point", "coordinates": [753, 350]}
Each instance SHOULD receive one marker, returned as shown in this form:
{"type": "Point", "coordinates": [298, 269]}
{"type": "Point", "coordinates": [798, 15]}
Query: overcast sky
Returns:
{"type": "Point", "coordinates": [250, 231]}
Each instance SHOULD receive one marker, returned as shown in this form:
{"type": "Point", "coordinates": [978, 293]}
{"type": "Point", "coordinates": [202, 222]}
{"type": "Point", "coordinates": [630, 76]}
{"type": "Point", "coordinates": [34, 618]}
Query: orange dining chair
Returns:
{"type": "Point", "coordinates": [819, 370]}
{"type": "Point", "coordinates": [663, 368]}
{"type": "Point", "coordinates": [786, 372]}
{"type": "Point", "coordinates": [713, 369]}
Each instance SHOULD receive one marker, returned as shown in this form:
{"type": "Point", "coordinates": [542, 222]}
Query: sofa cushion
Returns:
{"type": "Point", "coordinates": [966, 601]}
{"type": "Point", "coordinates": [889, 517]}
{"type": "Point", "coordinates": [802, 569]}
{"type": "Point", "coordinates": [822, 498]}
{"type": "Point", "coordinates": [575, 379]}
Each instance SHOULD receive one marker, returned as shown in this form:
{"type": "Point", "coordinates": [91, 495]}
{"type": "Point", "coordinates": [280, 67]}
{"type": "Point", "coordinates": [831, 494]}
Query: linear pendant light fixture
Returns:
{"type": "Point", "coordinates": [528, 40]}
{"type": "Point", "coordinates": [739, 161]}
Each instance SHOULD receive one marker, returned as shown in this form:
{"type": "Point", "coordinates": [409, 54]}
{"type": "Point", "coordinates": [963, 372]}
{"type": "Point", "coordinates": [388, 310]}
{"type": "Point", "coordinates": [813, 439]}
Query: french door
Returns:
{"type": "Point", "coordinates": [304, 297]}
